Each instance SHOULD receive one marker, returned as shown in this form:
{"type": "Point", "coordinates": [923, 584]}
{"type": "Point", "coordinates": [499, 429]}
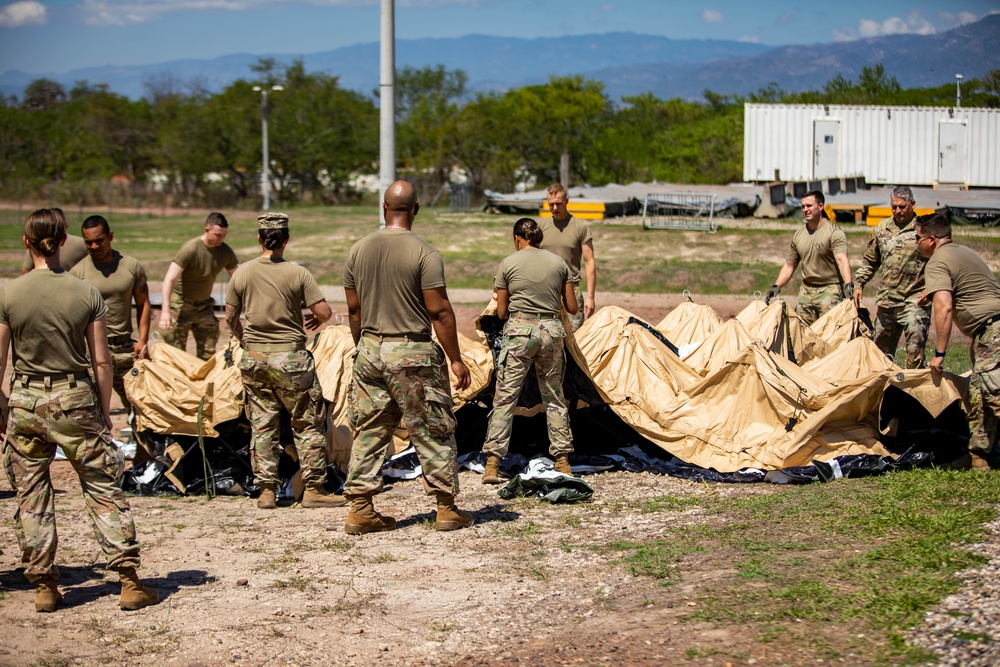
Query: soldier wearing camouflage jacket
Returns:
{"type": "Point", "coordinates": [891, 248]}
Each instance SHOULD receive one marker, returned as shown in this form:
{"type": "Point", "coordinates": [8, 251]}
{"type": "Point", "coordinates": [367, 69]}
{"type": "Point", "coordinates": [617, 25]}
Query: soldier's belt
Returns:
{"type": "Point", "coordinates": [274, 347]}
{"type": "Point", "coordinates": [520, 314]}
{"type": "Point", "coordinates": [120, 341]}
{"type": "Point", "coordinates": [995, 318]}
{"type": "Point", "coordinates": [408, 338]}
{"type": "Point", "coordinates": [49, 381]}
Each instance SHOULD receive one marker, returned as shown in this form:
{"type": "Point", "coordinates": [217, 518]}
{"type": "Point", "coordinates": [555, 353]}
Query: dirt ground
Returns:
{"type": "Point", "coordinates": [530, 583]}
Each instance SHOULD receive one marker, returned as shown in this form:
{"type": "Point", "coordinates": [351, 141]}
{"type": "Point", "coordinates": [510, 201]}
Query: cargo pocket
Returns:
{"type": "Point", "coordinates": [80, 404]}
{"type": "Point", "coordinates": [438, 414]}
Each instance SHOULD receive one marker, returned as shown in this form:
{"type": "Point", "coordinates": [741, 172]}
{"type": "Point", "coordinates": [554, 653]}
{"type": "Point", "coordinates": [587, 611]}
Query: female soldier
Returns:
{"type": "Point", "coordinates": [532, 285]}
{"type": "Point", "coordinates": [277, 370]}
{"type": "Point", "coordinates": [51, 319]}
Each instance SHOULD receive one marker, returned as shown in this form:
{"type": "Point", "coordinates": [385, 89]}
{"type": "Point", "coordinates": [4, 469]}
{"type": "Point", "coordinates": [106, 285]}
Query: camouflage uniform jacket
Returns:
{"type": "Point", "coordinates": [895, 251]}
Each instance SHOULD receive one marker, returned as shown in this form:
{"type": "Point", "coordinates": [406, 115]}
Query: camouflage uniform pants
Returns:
{"type": "Point", "coordinates": [197, 317]}
{"type": "Point", "coordinates": [984, 389]}
{"type": "Point", "coordinates": [576, 321]}
{"type": "Point", "coordinates": [285, 381]}
{"type": "Point", "coordinates": [909, 320]}
{"type": "Point", "coordinates": [394, 380]}
{"type": "Point", "coordinates": [68, 415]}
{"type": "Point", "coordinates": [816, 300]}
{"type": "Point", "coordinates": [122, 360]}
{"type": "Point", "coordinates": [527, 342]}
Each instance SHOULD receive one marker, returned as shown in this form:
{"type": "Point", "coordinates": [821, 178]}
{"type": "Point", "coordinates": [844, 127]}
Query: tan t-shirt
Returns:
{"type": "Point", "coordinates": [271, 293]}
{"type": "Point", "coordinates": [74, 250]}
{"type": "Point", "coordinates": [566, 239]}
{"type": "Point", "coordinates": [115, 280]}
{"type": "Point", "coordinates": [390, 269]}
{"type": "Point", "coordinates": [201, 265]}
{"type": "Point", "coordinates": [535, 279]}
{"type": "Point", "coordinates": [814, 252]}
{"type": "Point", "coordinates": [974, 289]}
{"type": "Point", "coordinates": [48, 313]}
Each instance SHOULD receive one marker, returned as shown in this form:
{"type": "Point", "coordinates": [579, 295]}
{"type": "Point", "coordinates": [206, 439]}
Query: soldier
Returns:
{"type": "Point", "coordinates": [395, 288]}
{"type": "Point", "coordinates": [965, 291]}
{"type": "Point", "coordinates": [51, 319]}
{"type": "Point", "coordinates": [72, 251]}
{"type": "Point", "coordinates": [532, 287]}
{"type": "Point", "coordinates": [891, 247]}
{"type": "Point", "coordinates": [278, 372]}
{"type": "Point", "coordinates": [821, 247]}
{"type": "Point", "coordinates": [120, 280]}
{"type": "Point", "coordinates": [570, 239]}
{"type": "Point", "coordinates": [191, 307]}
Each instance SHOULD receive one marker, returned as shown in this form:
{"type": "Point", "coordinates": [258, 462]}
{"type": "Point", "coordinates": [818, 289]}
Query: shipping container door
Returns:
{"type": "Point", "coordinates": [826, 158]}
{"type": "Point", "coordinates": [951, 153]}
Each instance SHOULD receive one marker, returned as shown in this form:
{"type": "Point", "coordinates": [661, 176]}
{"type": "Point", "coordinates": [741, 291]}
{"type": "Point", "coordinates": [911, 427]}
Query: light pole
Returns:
{"type": "Point", "coordinates": [265, 179]}
{"type": "Point", "coordinates": [958, 91]}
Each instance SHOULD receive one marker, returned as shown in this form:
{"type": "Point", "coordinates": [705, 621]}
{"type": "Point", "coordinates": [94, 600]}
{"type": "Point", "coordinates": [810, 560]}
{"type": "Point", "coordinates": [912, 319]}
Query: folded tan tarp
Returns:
{"type": "Point", "coordinates": [736, 401]}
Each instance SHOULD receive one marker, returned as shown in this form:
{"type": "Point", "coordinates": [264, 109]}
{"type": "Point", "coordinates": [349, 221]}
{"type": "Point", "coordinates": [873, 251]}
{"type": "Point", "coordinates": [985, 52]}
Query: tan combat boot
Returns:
{"type": "Point", "coordinates": [492, 473]}
{"type": "Point", "coordinates": [562, 465]}
{"type": "Point", "coordinates": [268, 499]}
{"type": "Point", "coordinates": [364, 519]}
{"type": "Point", "coordinates": [450, 517]}
{"type": "Point", "coordinates": [47, 596]}
{"type": "Point", "coordinates": [134, 594]}
{"type": "Point", "coordinates": [320, 497]}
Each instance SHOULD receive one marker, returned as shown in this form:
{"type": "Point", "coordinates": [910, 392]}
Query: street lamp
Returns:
{"type": "Point", "coordinates": [958, 91]}
{"type": "Point", "coordinates": [265, 180]}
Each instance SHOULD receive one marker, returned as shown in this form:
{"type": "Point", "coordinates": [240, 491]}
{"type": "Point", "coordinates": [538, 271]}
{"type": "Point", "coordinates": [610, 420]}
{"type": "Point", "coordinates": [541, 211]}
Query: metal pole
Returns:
{"type": "Point", "coordinates": [264, 179]}
{"type": "Point", "coordinates": [958, 91]}
{"type": "Point", "coordinates": [387, 103]}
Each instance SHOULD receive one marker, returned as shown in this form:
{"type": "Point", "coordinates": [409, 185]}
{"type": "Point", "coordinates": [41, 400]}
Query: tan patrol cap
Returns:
{"type": "Point", "coordinates": [272, 221]}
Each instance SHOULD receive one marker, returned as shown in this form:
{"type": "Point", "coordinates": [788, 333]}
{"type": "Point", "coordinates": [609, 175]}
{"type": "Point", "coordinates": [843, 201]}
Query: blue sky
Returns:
{"type": "Point", "coordinates": [51, 36]}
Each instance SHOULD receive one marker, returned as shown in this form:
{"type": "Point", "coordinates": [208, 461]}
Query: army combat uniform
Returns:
{"type": "Point", "coordinates": [399, 372]}
{"type": "Point", "coordinates": [53, 402]}
{"type": "Point", "coordinates": [278, 373]}
{"type": "Point", "coordinates": [976, 309]}
{"type": "Point", "coordinates": [191, 305]}
{"type": "Point", "coordinates": [894, 250]}
{"type": "Point", "coordinates": [566, 239]}
{"type": "Point", "coordinates": [533, 334]}
{"type": "Point", "coordinates": [822, 286]}
{"type": "Point", "coordinates": [116, 280]}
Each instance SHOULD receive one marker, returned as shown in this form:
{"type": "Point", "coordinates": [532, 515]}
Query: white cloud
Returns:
{"type": "Point", "coordinates": [126, 12]}
{"type": "Point", "coordinates": [966, 17]}
{"type": "Point", "coordinates": [607, 7]}
{"type": "Point", "coordinates": [913, 23]}
{"type": "Point", "coordinates": [749, 39]}
{"type": "Point", "coordinates": [17, 14]}
{"type": "Point", "coordinates": [712, 16]}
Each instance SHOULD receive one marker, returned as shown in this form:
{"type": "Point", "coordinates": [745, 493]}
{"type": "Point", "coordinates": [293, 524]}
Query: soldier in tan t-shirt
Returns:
{"type": "Point", "coordinates": [820, 248]}
{"type": "Point", "coordinates": [570, 239]}
{"type": "Point", "coordinates": [395, 289]}
{"type": "Point", "coordinates": [121, 280]}
{"type": "Point", "coordinates": [187, 288]}
{"type": "Point", "coordinates": [965, 291]}
{"type": "Point", "coordinates": [277, 370]}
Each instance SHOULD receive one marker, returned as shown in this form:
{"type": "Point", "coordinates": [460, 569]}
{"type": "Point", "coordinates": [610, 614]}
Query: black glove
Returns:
{"type": "Point", "coordinates": [771, 293]}
{"type": "Point", "coordinates": [849, 291]}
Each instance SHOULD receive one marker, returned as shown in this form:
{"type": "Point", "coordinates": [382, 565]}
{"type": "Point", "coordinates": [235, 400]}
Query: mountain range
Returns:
{"type": "Point", "coordinates": [627, 63]}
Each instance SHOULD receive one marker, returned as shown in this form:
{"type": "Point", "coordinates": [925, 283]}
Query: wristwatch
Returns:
{"type": "Point", "coordinates": [939, 353]}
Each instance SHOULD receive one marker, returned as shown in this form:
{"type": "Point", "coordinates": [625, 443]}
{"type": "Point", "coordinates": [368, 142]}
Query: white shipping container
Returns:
{"type": "Point", "coordinates": [886, 145]}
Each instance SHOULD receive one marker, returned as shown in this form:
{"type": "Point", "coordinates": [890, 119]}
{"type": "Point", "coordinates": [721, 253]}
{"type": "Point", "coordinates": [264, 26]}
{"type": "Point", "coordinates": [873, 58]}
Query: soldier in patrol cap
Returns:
{"type": "Point", "coordinates": [187, 303]}
{"type": "Point", "coordinates": [396, 291]}
{"type": "Point", "coordinates": [891, 248]}
{"type": "Point", "coordinates": [51, 319]}
{"type": "Point", "coordinates": [532, 286]}
{"type": "Point", "coordinates": [278, 372]}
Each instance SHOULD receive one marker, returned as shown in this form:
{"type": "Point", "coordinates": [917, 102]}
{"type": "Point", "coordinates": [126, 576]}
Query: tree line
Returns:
{"type": "Point", "coordinates": [184, 138]}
